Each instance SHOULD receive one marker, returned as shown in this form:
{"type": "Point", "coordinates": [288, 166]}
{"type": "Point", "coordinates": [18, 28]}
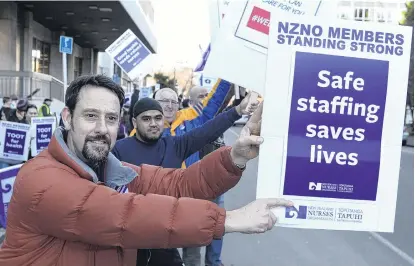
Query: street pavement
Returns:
{"type": "Point", "coordinates": [301, 247]}
{"type": "Point", "coordinates": [304, 247]}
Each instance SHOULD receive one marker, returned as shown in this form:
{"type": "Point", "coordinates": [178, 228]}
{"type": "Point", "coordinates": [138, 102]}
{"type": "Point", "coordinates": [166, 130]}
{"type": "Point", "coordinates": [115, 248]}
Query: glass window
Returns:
{"type": "Point", "coordinates": [362, 14]}
{"type": "Point", "coordinates": [78, 67]}
{"type": "Point", "coordinates": [40, 56]}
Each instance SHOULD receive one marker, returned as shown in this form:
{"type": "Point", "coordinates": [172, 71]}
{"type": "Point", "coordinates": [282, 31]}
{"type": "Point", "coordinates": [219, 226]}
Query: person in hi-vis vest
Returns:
{"type": "Point", "coordinates": [45, 108]}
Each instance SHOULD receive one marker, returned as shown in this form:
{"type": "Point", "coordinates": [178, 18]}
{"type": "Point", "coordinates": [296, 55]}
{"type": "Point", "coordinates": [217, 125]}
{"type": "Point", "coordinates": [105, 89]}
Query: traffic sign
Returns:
{"type": "Point", "coordinates": [66, 45]}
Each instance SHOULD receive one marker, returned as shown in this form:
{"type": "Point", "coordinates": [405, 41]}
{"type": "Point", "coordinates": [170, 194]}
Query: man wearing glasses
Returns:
{"type": "Point", "coordinates": [149, 146]}
{"type": "Point", "coordinates": [204, 107]}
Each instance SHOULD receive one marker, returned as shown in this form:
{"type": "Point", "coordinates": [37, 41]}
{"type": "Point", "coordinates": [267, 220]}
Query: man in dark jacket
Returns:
{"type": "Point", "coordinates": [5, 109]}
{"type": "Point", "coordinates": [19, 115]}
{"type": "Point", "coordinates": [134, 99]}
{"type": "Point", "coordinates": [148, 146]}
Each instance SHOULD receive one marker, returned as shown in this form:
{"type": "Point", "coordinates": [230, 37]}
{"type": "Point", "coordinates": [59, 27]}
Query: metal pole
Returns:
{"type": "Point", "coordinates": [65, 73]}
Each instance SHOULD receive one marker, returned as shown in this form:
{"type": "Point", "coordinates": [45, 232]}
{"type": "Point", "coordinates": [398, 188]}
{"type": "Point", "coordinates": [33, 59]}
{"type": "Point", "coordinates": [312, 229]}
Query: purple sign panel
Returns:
{"type": "Point", "coordinates": [7, 178]}
{"type": "Point", "coordinates": [335, 128]}
{"type": "Point", "coordinates": [14, 142]}
{"type": "Point", "coordinates": [43, 136]}
{"type": "Point", "coordinates": [132, 55]}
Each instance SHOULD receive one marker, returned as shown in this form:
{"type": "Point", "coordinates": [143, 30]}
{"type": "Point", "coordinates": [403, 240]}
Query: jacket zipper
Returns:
{"type": "Point", "coordinates": [149, 258]}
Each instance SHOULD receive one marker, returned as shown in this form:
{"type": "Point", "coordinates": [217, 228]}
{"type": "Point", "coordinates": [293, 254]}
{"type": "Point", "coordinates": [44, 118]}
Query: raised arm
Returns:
{"type": "Point", "coordinates": [213, 102]}
{"type": "Point", "coordinates": [207, 179]}
{"type": "Point", "coordinates": [53, 202]}
{"type": "Point", "coordinates": [197, 138]}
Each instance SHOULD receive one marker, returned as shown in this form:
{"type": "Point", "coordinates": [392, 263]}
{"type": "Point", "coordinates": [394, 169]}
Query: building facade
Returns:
{"type": "Point", "coordinates": [30, 33]}
{"type": "Point", "coordinates": [106, 64]}
{"type": "Point", "coordinates": [386, 11]}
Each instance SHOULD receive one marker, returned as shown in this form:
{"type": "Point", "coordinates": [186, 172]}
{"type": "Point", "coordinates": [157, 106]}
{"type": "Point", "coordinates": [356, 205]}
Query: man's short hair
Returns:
{"type": "Point", "coordinates": [74, 89]}
{"type": "Point", "coordinates": [194, 92]}
{"type": "Point", "coordinates": [6, 99]}
{"type": "Point", "coordinates": [158, 91]}
{"type": "Point", "coordinates": [31, 106]}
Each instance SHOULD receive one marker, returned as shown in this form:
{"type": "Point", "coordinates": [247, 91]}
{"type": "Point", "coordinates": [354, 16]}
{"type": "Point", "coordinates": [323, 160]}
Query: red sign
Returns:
{"type": "Point", "coordinates": [259, 20]}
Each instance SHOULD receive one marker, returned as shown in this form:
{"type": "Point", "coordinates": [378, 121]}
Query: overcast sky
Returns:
{"type": "Point", "coordinates": [180, 31]}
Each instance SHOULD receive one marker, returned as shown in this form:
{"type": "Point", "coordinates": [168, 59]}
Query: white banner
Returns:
{"type": "Point", "coordinates": [239, 50]}
{"type": "Point", "coordinates": [145, 92]}
{"type": "Point", "coordinates": [14, 141]}
{"type": "Point", "coordinates": [131, 55]}
{"type": "Point", "coordinates": [42, 129]}
{"type": "Point", "coordinates": [333, 123]}
{"type": "Point", "coordinates": [7, 178]}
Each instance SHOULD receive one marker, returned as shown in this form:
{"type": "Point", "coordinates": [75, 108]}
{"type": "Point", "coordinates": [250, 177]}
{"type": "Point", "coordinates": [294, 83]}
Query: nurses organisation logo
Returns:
{"type": "Point", "coordinates": [310, 213]}
{"type": "Point", "coordinates": [341, 215]}
{"type": "Point", "coordinates": [329, 187]}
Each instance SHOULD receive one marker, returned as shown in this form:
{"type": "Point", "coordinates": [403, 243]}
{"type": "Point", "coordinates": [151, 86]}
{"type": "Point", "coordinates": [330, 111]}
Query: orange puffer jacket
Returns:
{"type": "Point", "coordinates": [61, 215]}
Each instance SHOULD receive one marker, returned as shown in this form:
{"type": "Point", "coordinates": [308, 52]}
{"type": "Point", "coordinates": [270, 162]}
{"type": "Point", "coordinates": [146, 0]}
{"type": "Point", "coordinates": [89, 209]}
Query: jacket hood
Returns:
{"type": "Point", "coordinates": [116, 174]}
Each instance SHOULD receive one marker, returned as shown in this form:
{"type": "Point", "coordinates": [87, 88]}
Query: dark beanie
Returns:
{"type": "Point", "coordinates": [146, 104]}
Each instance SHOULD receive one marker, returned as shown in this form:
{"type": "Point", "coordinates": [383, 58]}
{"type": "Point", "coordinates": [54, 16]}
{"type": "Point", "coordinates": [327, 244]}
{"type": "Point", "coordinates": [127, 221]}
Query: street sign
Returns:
{"type": "Point", "coordinates": [66, 45]}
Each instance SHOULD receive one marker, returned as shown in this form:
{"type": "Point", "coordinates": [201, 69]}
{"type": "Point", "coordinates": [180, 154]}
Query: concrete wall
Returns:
{"type": "Point", "coordinates": [17, 30]}
{"type": "Point", "coordinates": [41, 33]}
{"type": "Point", "coordinates": [8, 36]}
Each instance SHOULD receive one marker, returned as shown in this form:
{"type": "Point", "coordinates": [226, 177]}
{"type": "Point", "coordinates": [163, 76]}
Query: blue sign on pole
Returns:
{"type": "Point", "coordinates": [66, 45]}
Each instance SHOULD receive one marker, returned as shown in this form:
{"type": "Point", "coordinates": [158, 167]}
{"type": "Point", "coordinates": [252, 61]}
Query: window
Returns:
{"type": "Point", "coordinates": [361, 14]}
{"type": "Point", "coordinates": [78, 67]}
{"type": "Point", "coordinates": [40, 56]}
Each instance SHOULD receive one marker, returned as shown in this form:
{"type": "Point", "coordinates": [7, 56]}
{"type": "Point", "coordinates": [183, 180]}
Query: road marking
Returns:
{"type": "Point", "coordinates": [378, 237]}
{"type": "Point", "coordinates": [394, 248]}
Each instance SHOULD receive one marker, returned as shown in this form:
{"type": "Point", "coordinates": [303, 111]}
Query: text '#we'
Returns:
{"type": "Point", "coordinates": [259, 20]}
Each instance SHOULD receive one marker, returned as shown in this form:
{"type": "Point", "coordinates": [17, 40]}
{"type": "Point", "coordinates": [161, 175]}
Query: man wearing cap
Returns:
{"type": "Point", "coordinates": [149, 146]}
{"type": "Point", "coordinates": [19, 115]}
{"type": "Point", "coordinates": [45, 108]}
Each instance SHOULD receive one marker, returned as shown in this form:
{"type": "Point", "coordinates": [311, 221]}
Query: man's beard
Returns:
{"type": "Point", "coordinates": [96, 157]}
{"type": "Point", "coordinates": [147, 138]}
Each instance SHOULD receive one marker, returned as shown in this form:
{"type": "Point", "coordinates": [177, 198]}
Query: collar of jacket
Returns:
{"type": "Point", "coordinates": [116, 174]}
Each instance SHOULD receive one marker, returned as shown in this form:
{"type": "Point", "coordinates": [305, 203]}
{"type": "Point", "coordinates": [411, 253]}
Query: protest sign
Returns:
{"type": "Point", "coordinates": [7, 177]}
{"type": "Point", "coordinates": [42, 129]}
{"type": "Point", "coordinates": [207, 82]}
{"type": "Point", "coordinates": [14, 141]}
{"type": "Point", "coordinates": [333, 129]}
{"type": "Point", "coordinates": [131, 55]}
{"type": "Point", "coordinates": [145, 92]}
{"type": "Point", "coordinates": [217, 11]}
{"type": "Point", "coordinates": [239, 50]}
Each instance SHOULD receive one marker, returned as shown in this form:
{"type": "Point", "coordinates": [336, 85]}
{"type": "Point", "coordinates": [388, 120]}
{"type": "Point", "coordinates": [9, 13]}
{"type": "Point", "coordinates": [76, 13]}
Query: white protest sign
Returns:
{"type": "Point", "coordinates": [14, 141]}
{"type": "Point", "coordinates": [207, 82]}
{"type": "Point", "coordinates": [42, 129]}
{"type": "Point", "coordinates": [217, 11]}
{"type": "Point", "coordinates": [239, 50]}
{"type": "Point", "coordinates": [131, 55]}
{"type": "Point", "coordinates": [145, 92]}
{"type": "Point", "coordinates": [333, 123]}
{"type": "Point", "coordinates": [7, 178]}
